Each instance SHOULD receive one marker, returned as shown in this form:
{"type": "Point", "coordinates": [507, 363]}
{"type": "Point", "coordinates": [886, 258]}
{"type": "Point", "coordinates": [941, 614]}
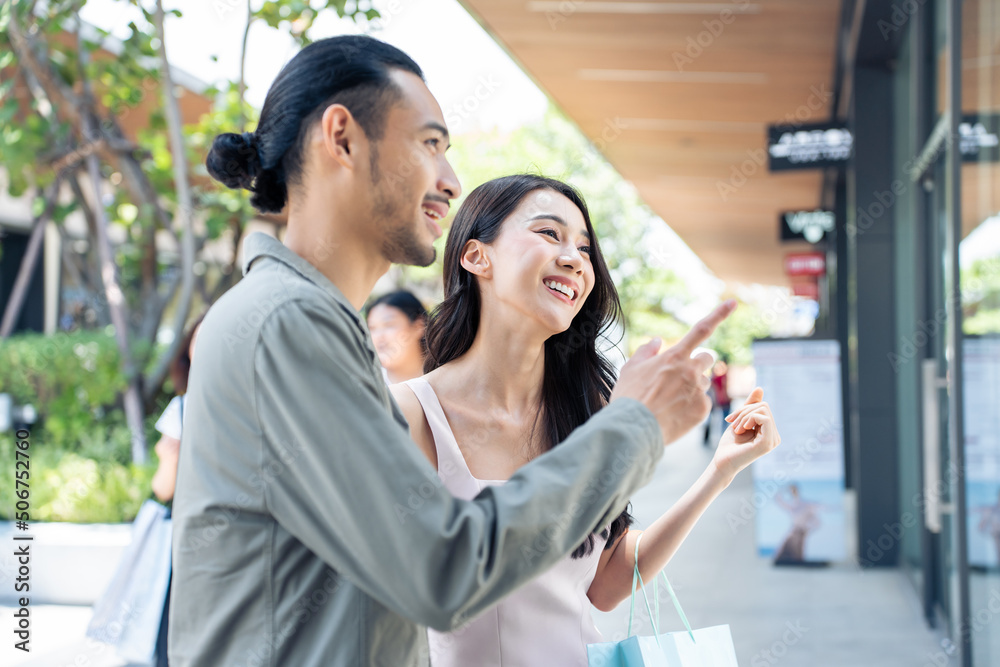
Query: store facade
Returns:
{"type": "Point", "coordinates": [919, 295]}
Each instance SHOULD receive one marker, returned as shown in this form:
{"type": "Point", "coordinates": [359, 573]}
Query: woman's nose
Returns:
{"type": "Point", "coordinates": [571, 259]}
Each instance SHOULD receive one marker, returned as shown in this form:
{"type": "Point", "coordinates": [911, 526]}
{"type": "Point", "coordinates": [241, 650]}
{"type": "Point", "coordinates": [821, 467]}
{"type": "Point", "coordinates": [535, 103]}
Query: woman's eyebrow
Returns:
{"type": "Point", "coordinates": [556, 218]}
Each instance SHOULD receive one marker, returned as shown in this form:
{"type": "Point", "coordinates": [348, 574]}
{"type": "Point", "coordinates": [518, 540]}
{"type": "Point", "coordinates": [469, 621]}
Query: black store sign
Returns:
{"type": "Point", "coordinates": [979, 137]}
{"type": "Point", "coordinates": [808, 146]}
{"type": "Point", "coordinates": [811, 226]}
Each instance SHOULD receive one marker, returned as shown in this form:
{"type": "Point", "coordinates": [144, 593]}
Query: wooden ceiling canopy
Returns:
{"type": "Point", "coordinates": [690, 88]}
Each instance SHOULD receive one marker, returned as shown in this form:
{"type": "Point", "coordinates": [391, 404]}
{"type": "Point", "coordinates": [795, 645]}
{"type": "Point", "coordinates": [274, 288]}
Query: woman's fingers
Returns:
{"type": "Point", "coordinates": [740, 424]}
{"type": "Point", "coordinates": [746, 422]}
{"type": "Point", "coordinates": [766, 429]}
{"type": "Point", "coordinates": [735, 416]}
{"type": "Point", "coordinates": [756, 396]}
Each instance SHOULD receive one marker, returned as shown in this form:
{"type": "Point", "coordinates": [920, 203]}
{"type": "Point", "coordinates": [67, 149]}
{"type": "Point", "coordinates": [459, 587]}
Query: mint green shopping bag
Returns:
{"type": "Point", "coordinates": [706, 647]}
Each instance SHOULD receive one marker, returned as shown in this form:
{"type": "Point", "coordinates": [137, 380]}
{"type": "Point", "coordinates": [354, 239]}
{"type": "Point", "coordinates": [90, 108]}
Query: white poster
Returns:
{"type": "Point", "coordinates": [798, 496]}
{"type": "Point", "coordinates": [981, 396]}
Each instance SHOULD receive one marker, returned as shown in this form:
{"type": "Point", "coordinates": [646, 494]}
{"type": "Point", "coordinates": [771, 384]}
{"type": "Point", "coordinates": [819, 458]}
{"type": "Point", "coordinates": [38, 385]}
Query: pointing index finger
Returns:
{"type": "Point", "coordinates": [701, 331]}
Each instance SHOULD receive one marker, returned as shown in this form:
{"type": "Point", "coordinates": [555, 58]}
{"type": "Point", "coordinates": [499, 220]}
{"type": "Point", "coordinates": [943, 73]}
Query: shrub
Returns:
{"type": "Point", "coordinates": [80, 452]}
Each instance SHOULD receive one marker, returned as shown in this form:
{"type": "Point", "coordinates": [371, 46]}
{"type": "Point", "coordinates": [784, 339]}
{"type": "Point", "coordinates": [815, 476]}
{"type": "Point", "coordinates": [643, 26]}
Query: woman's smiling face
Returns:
{"type": "Point", "coordinates": [541, 264]}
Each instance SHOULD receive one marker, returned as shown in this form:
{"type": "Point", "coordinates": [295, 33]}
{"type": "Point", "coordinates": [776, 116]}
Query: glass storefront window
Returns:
{"type": "Point", "coordinates": [979, 261]}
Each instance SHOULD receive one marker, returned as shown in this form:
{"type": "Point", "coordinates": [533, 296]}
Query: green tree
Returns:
{"type": "Point", "coordinates": [62, 98]}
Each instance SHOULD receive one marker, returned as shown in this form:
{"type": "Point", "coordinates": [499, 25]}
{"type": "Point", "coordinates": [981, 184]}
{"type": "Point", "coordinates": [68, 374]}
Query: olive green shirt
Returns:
{"type": "Point", "coordinates": [310, 530]}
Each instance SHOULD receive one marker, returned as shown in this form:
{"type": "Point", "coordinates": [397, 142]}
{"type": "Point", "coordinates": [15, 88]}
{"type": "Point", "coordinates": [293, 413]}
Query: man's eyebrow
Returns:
{"type": "Point", "coordinates": [556, 218]}
{"type": "Point", "coordinates": [434, 125]}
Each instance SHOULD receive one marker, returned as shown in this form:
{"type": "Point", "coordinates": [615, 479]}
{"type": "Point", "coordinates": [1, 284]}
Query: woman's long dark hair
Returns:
{"type": "Point", "coordinates": [181, 366]}
{"type": "Point", "coordinates": [577, 379]}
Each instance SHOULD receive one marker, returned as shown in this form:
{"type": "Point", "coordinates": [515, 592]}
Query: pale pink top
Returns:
{"type": "Point", "coordinates": [547, 621]}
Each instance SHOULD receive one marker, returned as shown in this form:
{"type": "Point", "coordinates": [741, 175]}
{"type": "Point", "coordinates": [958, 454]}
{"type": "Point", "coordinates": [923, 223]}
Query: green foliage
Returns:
{"type": "Point", "coordinates": [70, 378]}
{"type": "Point", "coordinates": [80, 452]}
{"type": "Point", "coordinates": [981, 297]}
{"type": "Point", "coordinates": [297, 16]}
{"type": "Point", "coordinates": [22, 140]}
{"type": "Point", "coordinates": [733, 338]}
{"type": "Point", "coordinates": [80, 486]}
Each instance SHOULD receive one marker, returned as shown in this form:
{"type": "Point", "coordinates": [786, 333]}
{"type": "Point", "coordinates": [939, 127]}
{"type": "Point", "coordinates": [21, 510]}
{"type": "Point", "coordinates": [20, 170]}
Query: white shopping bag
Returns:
{"type": "Point", "coordinates": [128, 614]}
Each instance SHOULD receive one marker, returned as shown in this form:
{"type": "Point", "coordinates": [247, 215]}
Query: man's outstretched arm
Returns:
{"type": "Point", "coordinates": [356, 491]}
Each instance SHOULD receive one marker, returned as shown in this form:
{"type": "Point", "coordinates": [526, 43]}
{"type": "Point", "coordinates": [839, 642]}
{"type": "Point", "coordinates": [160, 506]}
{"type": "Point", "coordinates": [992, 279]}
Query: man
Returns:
{"type": "Point", "coordinates": [309, 530]}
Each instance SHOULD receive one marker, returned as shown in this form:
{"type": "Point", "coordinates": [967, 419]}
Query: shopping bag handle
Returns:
{"type": "Point", "coordinates": [655, 621]}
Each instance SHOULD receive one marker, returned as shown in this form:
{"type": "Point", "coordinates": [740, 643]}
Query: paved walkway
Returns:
{"type": "Point", "coordinates": [790, 617]}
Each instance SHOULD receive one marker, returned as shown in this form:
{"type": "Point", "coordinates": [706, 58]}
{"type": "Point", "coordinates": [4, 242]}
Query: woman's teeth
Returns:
{"type": "Point", "coordinates": [559, 287]}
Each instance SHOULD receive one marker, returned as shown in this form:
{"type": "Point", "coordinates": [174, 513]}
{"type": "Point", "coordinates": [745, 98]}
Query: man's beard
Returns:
{"type": "Point", "coordinates": [400, 242]}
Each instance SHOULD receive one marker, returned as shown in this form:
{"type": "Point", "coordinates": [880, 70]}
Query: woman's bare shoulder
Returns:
{"type": "Point", "coordinates": [420, 430]}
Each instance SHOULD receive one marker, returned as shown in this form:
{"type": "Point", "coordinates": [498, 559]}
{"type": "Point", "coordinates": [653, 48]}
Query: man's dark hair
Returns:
{"type": "Point", "coordinates": [352, 70]}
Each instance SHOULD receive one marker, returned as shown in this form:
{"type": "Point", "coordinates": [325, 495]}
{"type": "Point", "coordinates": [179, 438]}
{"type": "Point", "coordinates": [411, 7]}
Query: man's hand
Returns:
{"type": "Point", "coordinates": [673, 384]}
{"type": "Point", "coordinates": [751, 434]}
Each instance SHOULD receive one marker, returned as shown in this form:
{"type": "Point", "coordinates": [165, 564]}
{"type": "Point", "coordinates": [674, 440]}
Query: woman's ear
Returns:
{"type": "Point", "coordinates": [475, 260]}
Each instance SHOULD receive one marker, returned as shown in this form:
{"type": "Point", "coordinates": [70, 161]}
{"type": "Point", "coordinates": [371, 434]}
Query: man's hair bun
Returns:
{"type": "Point", "coordinates": [234, 160]}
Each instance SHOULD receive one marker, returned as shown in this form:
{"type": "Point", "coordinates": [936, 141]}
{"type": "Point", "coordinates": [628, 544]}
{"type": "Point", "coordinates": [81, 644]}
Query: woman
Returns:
{"type": "Point", "coordinates": [396, 321]}
{"type": "Point", "coordinates": [167, 449]}
{"type": "Point", "coordinates": [169, 424]}
{"type": "Point", "coordinates": [720, 394]}
{"type": "Point", "coordinates": [513, 367]}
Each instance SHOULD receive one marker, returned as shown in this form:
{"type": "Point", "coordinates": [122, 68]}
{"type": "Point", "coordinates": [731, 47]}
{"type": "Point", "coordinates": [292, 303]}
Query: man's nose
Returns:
{"type": "Point", "coordinates": [448, 182]}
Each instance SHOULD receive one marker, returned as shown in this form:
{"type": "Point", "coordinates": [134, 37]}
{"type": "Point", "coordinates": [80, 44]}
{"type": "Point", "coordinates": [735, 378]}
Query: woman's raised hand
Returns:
{"type": "Point", "coordinates": [751, 434]}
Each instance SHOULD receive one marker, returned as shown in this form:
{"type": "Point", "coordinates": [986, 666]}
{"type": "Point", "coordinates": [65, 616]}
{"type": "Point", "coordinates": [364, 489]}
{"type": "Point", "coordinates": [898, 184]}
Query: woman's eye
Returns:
{"type": "Point", "coordinates": [585, 249]}
{"type": "Point", "coordinates": [550, 232]}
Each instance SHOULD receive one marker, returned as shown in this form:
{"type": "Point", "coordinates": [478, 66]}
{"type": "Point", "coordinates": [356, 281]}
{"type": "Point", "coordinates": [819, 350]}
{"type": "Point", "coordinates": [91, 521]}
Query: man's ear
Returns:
{"type": "Point", "coordinates": [475, 260]}
{"type": "Point", "coordinates": [340, 135]}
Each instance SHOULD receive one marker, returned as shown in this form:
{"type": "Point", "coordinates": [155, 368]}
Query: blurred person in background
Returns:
{"type": "Point", "coordinates": [397, 321]}
{"type": "Point", "coordinates": [169, 424]}
{"type": "Point", "coordinates": [168, 449]}
{"type": "Point", "coordinates": [720, 395]}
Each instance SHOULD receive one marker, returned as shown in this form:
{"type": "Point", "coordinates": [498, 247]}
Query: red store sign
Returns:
{"type": "Point", "coordinates": [805, 264]}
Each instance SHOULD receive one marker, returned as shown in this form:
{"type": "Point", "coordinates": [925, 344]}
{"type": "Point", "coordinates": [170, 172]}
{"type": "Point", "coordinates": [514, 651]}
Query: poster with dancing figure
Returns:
{"type": "Point", "coordinates": [798, 497]}
{"type": "Point", "coordinates": [981, 398]}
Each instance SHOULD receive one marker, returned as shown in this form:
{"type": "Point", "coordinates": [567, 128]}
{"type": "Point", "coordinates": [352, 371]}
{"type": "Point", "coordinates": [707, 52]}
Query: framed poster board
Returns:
{"type": "Point", "coordinates": [798, 499]}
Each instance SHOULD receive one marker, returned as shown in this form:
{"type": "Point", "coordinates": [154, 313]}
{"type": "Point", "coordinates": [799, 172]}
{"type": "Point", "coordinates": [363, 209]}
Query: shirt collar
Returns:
{"type": "Point", "coordinates": [259, 244]}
